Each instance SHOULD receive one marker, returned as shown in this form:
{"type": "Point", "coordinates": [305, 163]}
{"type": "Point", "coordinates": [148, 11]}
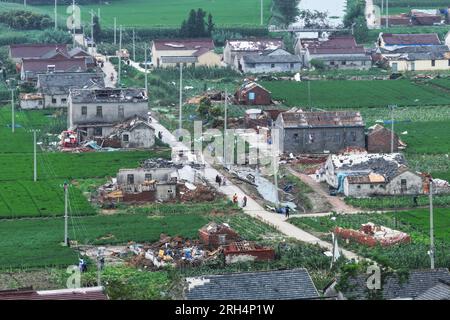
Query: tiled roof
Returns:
{"type": "Point", "coordinates": [417, 283]}
{"type": "Point", "coordinates": [304, 119]}
{"type": "Point", "coordinates": [183, 44]}
{"type": "Point", "coordinates": [106, 95]}
{"type": "Point", "coordinates": [337, 45]}
{"type": "Point", "coordinates": [441, 291]}
{"type": "Point", "coordinates": [19, 51]}
{"type": "Point", "coordinates": [91, 293]}
{"type": "Point", "coordinates": [61, 83]}
{"type": "Point", "coordinates": [411, 39]}
{"type": "Point", "coordinates": [293, 284]}
{"type": "Point", "coordinates": [256, 58]}
{"type": "Point", "coordinates": [61, 65]}
{"type": "Point", "coordinates": [434, 52]}
{"type": "Point", "coordinates": [78, 51]}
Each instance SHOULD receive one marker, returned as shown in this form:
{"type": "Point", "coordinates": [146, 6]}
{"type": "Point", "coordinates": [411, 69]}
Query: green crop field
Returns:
{"type": "Point", "coordinates": [36, 242]}
{"type": "Point", "coordinates": [170, 13]}
{"type": "Point", "coordinates": [415, 223]}
{"type": "Point", "coordinates": [20, 196]}
{"type": "Point", "coordinates": [355, 94]}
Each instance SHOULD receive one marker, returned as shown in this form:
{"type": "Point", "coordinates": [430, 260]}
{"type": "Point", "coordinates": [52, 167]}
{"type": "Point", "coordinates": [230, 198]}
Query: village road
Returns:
{"type": "Point", "coordinates": [339, 206]}
{"type": "Point", "coordinates": [253, 208]}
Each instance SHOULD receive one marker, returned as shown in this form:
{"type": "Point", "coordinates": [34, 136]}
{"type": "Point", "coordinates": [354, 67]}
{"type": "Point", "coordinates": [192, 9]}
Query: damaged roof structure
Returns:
{"type": "Point", "coordinates": [108, 95]}
{"type": "Point", "coordinates": [61, 83]}
{"type": "Point", "coordinates": [235, 49]}
{"type": "Point", "coordinates": [363, 175]}
{"type": "Point", "coordinates": [88, 293]}
{"type": "Point", "coordinates": [295, 284]}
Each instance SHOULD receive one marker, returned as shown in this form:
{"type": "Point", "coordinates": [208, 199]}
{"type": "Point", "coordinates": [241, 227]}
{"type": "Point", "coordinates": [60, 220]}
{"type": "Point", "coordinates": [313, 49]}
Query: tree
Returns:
{"type": "Point", "coordinates": [288, 9]}
{"type": "Point", "coordinates": [210, 25]}
{"type": "Point", "coordinates": [55, 36]}
{"type": "Point", "coordinates": [195, 26]}
{"type": "Point", "coordinates": [97, 29]}
{"type": "Point", "coordinates": [356, 18]}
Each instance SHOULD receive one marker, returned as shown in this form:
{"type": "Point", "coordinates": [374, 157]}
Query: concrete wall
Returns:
{"type": "Point", "coordinates": [166, 191]}
{"type": "Point", "coordinates": [209, 59]}
{"type": "Point", "coordinates": [110, 112]}
{"type": "Point", "coordinates": [362, 64]}
{"type": "Point", "coordinates": [364, 189]}
{"type": "Point", "coordinates": [31, 104]}
{"type": "Point", "coordinates": [140, 137]}
{"type": "Point", "coordinates": [298, 140]}
{"type": "Point", "coordinates": [414, 184]}
{"type": "Point", "coordinates": [267, 67]}
{"type": "Point", "coordinates": [419, 65]}
{"type": "Point", "coordinates": [59, 101]}
{"type": "Point", "coordinates": [228, 55]}
{"type": "Point", "coordinates": [380, 142]}
{"type": "Point", "coordinates": [159, 174]}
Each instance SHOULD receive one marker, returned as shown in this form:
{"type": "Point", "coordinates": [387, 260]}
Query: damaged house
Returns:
{"type": "Point", "coordinates": [379, 140]}
{"type": "Point", "coordinates": [320, 132]}
{"type": "Point", "coordinates": [277, 61]}
{"type": "Point", "coordinates": [251, 93]}
{"type": "Point", "coordinates": [94, 113]}
{"type": "Point", "coordinates": [55, 87]}
{"type": "Point", "coordinates": [157, 180]}
{"type": "Point", "coordinates": [235, 49]}
{"type": "Point", "coordinates": [365, 175]}
{"type": "Point", "coordinates": [135, 133]}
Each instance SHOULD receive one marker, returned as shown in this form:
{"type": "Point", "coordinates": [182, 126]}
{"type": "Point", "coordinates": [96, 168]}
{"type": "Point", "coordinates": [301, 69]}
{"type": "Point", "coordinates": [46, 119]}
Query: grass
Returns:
{"type": "Point", "coordinates": [152, 13]}
{"type": "Point", "coordinates": [378, 203]}
{"type": "Point", "coordinates": [414, 222]}
{"type": "Point", "coordinates": [35, 242]}
{"type": "Point", "coordinates": [356, 94]}
{"type": "Point", "coordinates": [20, 196]}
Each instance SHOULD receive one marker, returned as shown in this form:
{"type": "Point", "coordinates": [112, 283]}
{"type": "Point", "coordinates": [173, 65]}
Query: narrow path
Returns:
{"type": "Point", "coordinates": [253, 209]}
{"type": "Point", "coordinates": [338, 204]}
{"type": "Point", "coordinates": [108, 69]}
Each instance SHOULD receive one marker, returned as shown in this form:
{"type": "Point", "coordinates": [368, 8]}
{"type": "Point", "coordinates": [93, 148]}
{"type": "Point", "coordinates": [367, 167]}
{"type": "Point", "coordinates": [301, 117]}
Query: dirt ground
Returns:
{"type": "Point", "coordinates": [44, 279]}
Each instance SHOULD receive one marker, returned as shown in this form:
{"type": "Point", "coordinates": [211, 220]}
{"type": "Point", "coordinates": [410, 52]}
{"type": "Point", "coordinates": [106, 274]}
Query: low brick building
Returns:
{"type": "Point", "coordinates": [215, 235]}
{"type": "Point", "coordinates": [251, 93]}
{"type": "Point", "coordinates": [247, 251]}
{"type": "Point", "coordinates": [379, 140]}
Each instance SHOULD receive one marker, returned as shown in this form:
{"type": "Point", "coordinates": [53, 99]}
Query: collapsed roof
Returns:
{"type": "Point", "coordinates": [108, 95]}
{"type": "Point", "coordinates": [305, 119]}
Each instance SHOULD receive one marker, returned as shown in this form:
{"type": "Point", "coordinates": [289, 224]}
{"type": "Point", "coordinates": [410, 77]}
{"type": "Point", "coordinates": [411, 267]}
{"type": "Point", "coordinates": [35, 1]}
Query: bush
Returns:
{"type": "Point", "coordinates": [25, 20]}
{"type": "Point", "coordinates": [318, 64]}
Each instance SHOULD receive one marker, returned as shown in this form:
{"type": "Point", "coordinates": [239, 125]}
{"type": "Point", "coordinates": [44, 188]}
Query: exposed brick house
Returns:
{"type": "Point", "coordinates": [215, 235]}
{"type": "Point", "coordinates": [379, 140]}
{"type": "Point", "coordinates": [251, 93]}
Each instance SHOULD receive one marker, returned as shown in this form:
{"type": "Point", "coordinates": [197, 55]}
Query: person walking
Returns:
{"type": "Point", "coordinates": [287, 209]}
{"type": "Point", "coordinates": [244, 202]}
{"type": "Point", "coordinates": [235, 198]}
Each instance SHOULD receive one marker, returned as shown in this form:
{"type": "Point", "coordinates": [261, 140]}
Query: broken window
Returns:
{"type": "Point", "coordinates": [99, 111]}
{"type": "Point", "coordinates": [98, 131]}
{"type": "Point", "coordinates": [295, 136]}
{"type": "Point", "coordinates": [311, 138]}
{"type": "Point", "coordinates": [292, 65]}
{"type": "Point", "coordinates": [272, 65]}
{"type": "Point", "coordinates": [53, 100]}
{"type": "Point", "coordinates": [433, 63]}
{"type": "Point", "coordinates": [344, 63]}
{"type": "Point", "coordinates": [126, 138]}
{"type": "Point", "coordinates": [130, 178]}
{"type": "Point", "coordinates": [403, 185]}
{"type": "Point", "coordinates": [83, 110]}
{"type": "Point", "coordinates": [148, 177]}
{"type": "Point", "coordinates": [63, 100]}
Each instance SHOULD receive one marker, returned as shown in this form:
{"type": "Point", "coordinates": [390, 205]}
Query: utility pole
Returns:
{"type": "Point", "coordinates": [262, 12]}
{"type": "Point", "coordinates": [134, 47]}
{"type": "Point", "coordinates": [56, 14]}
{"type": "Point", "coordinates": [66, 214]}
{"type": "Point", "coordinates": [34, 155]}
{"type": "Point", "coordinates": [387, 13]}
{"type": "Point", "coordinates": [115, 30]}
{"type": "Point", "coordinates": [181, 98]}
{"type": "Point", "coordinates": [275, 168]}
{"type": "Point", "coordinates": [92, 30]}
{"type": "Point", "coordinates": [25, 3]}
{"type": "Point", "coordinates": [431, 226]}
{"type": "Point", "coordinates": [225, 124]}
{"type": "Point", "coordinates": [13, 117]}
{"type": "Point", "coordinates": [309, 95]}
{"type": "Point", "coordinates": [73, 22]}
{"type": "Point", "coordinates": [120, 54]}
{"type": "Point", "coordinates": [145, 61]}
{"type": "Point", "coordinates": [100, 264]}
{"type": "Point", "coordinates": [392, 107]}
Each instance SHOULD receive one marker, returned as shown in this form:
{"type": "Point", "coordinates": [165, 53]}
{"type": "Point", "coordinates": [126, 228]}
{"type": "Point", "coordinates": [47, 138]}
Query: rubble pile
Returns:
{"type": "Point", "coordinates": [370, 235]}
{"type": "Point", "coordinates": [201, 193]}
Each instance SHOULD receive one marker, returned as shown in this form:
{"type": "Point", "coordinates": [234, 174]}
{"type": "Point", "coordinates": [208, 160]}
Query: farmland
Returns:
{"type": "Point", "coordinates": [414, 222]}
{"type": "Point", "coordinates": [20, 196]}
{"type": "Point", "coordinates": [41, 246]}
{"type": "Point", "coordinates": [169, 13]}
{"type": "Point", "coordinates": [355, 94]}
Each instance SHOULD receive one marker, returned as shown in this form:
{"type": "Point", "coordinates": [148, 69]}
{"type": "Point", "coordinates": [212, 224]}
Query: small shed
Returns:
{"type": "Point", "coordinates": [251, 93]}
{"type": "Point", "coordinates": [31, 101]}
{"type": "Point", "coordinates": [215, 235]}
